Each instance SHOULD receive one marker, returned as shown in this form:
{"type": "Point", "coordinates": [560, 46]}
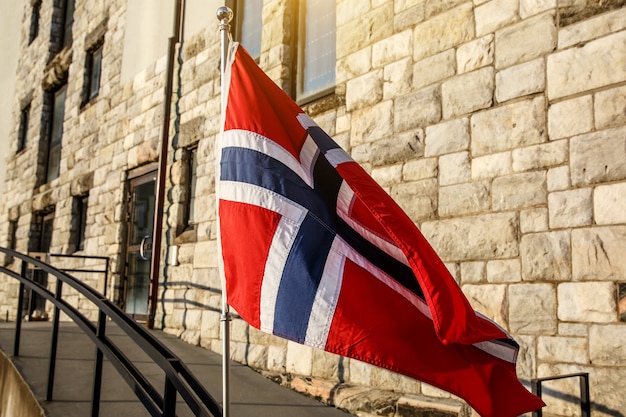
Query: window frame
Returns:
{"type": "Point", "coordinates": [80, 206]}
{"type": "Point", "coordinates": [89, 92]}
{"type": "Point", "coordinates": [51, 139]}
{"type": "Point", "coordinates": [35, 16]}
{"type": "Point", "coordinates": [191, 179]}
{"type": "Point", "coordinates": [22, 130]}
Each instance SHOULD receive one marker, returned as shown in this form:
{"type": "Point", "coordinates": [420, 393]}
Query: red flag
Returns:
{"type": "Point", "coordinates": [316, 252]}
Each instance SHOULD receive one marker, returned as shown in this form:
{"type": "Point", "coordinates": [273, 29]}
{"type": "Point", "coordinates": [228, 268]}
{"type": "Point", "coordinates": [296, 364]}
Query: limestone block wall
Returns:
{"type": "Point", "coordinates": [499, 127]}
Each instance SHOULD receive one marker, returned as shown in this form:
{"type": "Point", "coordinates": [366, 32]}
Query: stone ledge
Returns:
{"type": "Point", "coordinates": [366, 401]}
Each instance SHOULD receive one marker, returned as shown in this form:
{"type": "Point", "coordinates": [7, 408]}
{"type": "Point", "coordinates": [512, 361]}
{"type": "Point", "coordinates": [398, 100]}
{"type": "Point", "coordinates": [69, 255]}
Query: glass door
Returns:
{"type": "Point", "coordinates": [139, 245]}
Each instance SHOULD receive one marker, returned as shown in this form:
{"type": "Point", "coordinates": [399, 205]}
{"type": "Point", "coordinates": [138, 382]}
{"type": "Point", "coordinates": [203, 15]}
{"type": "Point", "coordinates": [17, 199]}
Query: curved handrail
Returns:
{"type": "Point", "coordinates": [179, 378]}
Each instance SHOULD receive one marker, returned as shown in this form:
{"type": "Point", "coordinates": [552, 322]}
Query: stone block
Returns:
{"type": "Point", "coordinates": [570, 208]}
{"type": "Point", "coordinates": [392, 49]}
{"type": "Point", "coordinates": [587, 302]}
{"type": "Point", "coordinates": [520, 80]}
{"type": "Point", "coordinates": [609, 204]}
{"type": "Point", "coordinates": [397, 78]}
{"type": "Point", "coordinates": [408, 18]}
{"type": "Point", "coordinates": [299, 359]}
{"type": "Point", "coordinates": [475, 54]}
{"type": "Point", "coordinates": [598, 157]}
{"type": "Point", "coordinates": [350, 10]}
{"type": "Point", "coordinates": [573, 329]}
{"type": "Point", "coordinates": [444, 31]}
{"type": "Point", "coordinates": [584, 68]}
{"type": "Point", "coordinates": [491, 166]}
{"type": "Point", "coordinates": [559, 349]}
{"type": "Point", "coordinates": [525, 41]}
{"type": "Point", "coordinates": [416, 110]}
{"type": "Point", "coordinates": [546, 256]}
{"type": "Point", "coordinates": [418, 199]}
{"type": "Point", "coordinates": [463, 199]}
{"type": "Point", "coordinates": [398, 148]}
{"type": "Point", "coordinates": [353, 65]}
{"type": "Point", "coordinates": [571, 117]}
{"type": "Point", "coordinates": [364, 91]}
{"type": "Point", "coordinates": [606, 344]}
{"type": "Point", "coordinates": [489, 300]}
{"type": "Point", "coordinates": [434, 69]}
{"type": "Point", "coordinates": [387, 175]}
{"type": "Point", "coordinates": [492, 236]}
{"type": "Point", "coordinates": [468, 92]}
{"type": "Point", "coordinates": [532, 309]}
{"type": "Point", "coordinates": [472, 272]}
{"type": "Point", "coordinates": [589, 29]}
{"type": "Point", "coordinates": [558, 178]}
{"type": "Point", "coordinates": [508, 127]}
{"type": "Point", "coordinates": [609, 108]}
{"type": "Point", "coordinates": [503, 271]}
{"type": "Point", "coordinates": [494, 15]}
{"type": "Point", "coordinates": [328, 365]}
{"type": "Point", "coordinates": [528, 8]}
{"type": "Point", "coordinates": [420, 169]}
{"type": "Point", "coordinates": [519, 190]}
{"type": "Point", "coordinates": [372, 123]}
{"type": "Point", "coordinates": [534, 220]}
{"type": "Point", "coordinates": [598, 253]}
{"type": "Point", "coordinates": [205, 254]}
{"type": "Point", "coordinates": [540, 156]}
{"type": "Point", "coordinates": [365, 30]}
{"type": "Point", "coordinates": [454, 168]}
{"type": "Point", "coordinates": [447, 137]}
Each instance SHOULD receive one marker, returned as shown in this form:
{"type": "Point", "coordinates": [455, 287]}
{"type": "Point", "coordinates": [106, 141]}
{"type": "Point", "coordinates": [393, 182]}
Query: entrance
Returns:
{"type": "Point", "coordinates": [139, 245]}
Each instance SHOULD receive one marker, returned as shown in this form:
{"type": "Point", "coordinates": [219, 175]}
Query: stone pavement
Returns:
{"type": "Point", "coordinates": [251, 393]}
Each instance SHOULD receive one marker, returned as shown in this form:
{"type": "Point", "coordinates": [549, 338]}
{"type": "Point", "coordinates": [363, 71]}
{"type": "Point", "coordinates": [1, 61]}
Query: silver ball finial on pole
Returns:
{"type": "Point", "coordinates": [224, 14]}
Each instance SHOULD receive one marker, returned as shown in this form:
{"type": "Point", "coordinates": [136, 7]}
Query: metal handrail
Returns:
{"type": "Point", "coordinates": [585, 402]}
{"type": "Point", "coordinates": [178, 378]}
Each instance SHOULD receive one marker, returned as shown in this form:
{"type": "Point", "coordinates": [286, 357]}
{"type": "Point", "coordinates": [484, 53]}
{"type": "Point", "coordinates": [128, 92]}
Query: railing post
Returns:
{"type": "Point", "coordinates": [169, 399]}
{"type": "Point", "coordinates": [54, 342]}
{"type": "Point", "coordinates": [585, 401]}
{"type": "Point", "coordinates": [20, 307]}
{"type": "Point", "coordinates": [535, 385]}
{"type": "Point", "coordinates": [97, 374]}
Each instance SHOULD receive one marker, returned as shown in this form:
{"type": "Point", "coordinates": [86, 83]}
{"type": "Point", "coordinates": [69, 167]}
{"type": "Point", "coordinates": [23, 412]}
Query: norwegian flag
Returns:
{"type": "Point", "coordinates": [316, 252]}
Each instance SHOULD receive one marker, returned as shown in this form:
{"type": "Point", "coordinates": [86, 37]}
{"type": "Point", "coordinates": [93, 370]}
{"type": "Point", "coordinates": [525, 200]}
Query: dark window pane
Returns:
{"type": "Point", "coordinates": [34, 21]}
{"type": "Point", "coordinates": [192, 179]}
{"type": "Point", "coordinates": [23, 128]}
{"type": "Point", "coordinates": [56, 135]}
{"type": "Point", "coordinates": [94, 68]}
{"type": "Point", "coordinates": [68, 21]}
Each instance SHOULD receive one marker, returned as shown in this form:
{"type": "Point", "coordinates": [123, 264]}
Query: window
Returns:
{"type": "Point", "coordinates": [34, 21]}
{"type": "Point", "coordinates": [249, 14]}
{"type": "Point", "coordinates": [79, 222]}
{"type": "Point", "coordinates": [68, 21]}
{"type": "Point", "coordinates": [93, 67]}
{"type": "Point", "coordinates": [55, 134]}
{"type": "Point", "coordinates": [316, 49]}
{"type": "Point", "coordinates": [622, 301]}
{"type": "Point", "coordinates": [192, 175]}
{"type": "Point", "coordinates": [12, 243]}
{"type": "Point", "coordinates": [22, 131]}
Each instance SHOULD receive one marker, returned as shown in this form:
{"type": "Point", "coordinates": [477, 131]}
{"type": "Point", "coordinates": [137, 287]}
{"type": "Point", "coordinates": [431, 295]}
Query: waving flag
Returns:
{"type": "Point", "coordinates": [316, 252]}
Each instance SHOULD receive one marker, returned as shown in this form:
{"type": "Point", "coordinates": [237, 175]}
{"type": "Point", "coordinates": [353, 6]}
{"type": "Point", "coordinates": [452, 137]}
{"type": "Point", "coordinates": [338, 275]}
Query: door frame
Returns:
{"type": "Point", "coordinates": [135, 179]}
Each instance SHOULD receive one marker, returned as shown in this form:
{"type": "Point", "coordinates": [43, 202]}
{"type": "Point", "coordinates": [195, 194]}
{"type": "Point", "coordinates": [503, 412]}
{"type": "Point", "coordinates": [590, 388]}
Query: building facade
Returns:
{"type": "Point", "coordinates": [498, 125]}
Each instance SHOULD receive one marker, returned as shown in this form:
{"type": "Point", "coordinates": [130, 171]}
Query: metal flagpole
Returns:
{"type": "Point", "coordinates": [225, 15]}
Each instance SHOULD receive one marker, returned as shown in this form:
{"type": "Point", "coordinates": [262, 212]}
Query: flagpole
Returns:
{"type": "Point", "coordinates": [225, 15]}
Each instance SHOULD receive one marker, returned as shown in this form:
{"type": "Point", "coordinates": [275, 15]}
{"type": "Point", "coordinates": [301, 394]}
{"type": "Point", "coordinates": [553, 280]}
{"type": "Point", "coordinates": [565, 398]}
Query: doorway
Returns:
{"type": "Point", "coordinates": [139, 245]}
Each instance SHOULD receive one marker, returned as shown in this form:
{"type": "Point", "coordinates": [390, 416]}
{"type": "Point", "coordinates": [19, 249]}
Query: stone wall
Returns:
{"type": "Point", "coordinates": [499, 126]}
